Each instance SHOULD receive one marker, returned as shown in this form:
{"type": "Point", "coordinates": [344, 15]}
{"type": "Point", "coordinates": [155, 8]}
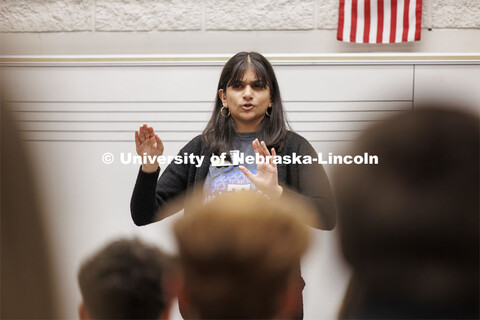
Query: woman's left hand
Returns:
{"type": "Point", "coordinates": [266, 179]}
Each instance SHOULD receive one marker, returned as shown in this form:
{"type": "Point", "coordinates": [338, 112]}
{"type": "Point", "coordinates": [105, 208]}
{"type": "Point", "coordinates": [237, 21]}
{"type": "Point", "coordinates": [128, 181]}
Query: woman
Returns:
{"type": "Point", "coordinates": [249, 118]}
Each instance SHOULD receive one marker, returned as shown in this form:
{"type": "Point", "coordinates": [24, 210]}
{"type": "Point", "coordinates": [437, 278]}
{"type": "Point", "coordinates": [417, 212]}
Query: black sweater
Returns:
{"type": "Point", "coordinates": [300, 181]}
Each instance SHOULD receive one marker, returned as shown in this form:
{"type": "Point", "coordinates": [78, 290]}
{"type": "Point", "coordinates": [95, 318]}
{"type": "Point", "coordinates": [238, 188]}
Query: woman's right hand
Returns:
{"type": "Point", "coordinates": [148, 143]}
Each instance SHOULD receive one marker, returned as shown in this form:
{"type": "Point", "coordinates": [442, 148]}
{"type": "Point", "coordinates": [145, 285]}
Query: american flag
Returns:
{"type": "Point", "coordinates": [379, 21]}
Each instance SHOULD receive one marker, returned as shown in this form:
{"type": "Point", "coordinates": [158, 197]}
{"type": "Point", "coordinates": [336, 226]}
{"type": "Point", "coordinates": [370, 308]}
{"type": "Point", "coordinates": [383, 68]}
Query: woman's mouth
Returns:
{"type": "Point", "coordinates": [247, 106]}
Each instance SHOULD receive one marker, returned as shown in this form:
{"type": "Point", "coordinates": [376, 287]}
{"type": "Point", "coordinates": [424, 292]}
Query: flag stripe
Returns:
{"type": "Point", "coordinates": [393, 25]}
{"type": "Point", "coordinates": [386, 21]}
{"type": "Point", "coordinates": [399, 26]}
{"type": "Point", "coordinates": [360, 21]}
{"type": "Point", "coordinates": [411, 20]}
{"type": "Point", "coordinates": [341, 21]}
{"type": "Point", "coordinates": [380, 22]}
{"type": "Point", "coordinates": [366, 32]}
{"type": "Point", "coordinates": [373, 21]}
{"type": "Point", "coordinates": [353, 30]}
{"type": "Point", "coordinates": [405, 21]}
{"type": "Point", "coordinates": [348, 20]}
{"type": "Point", "coordinates": [419, 20]}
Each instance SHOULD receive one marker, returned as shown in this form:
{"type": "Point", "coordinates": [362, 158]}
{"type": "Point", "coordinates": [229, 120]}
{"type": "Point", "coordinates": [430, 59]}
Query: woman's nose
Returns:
{"type": "Point", "coordinates": [247, 93]}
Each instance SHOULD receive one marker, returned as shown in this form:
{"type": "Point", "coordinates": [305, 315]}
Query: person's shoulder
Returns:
{"type": "Point", "coordinates": [296, 142]}
{"type": "Point", "coordinates": [196, 143]}
{"type": "Point", "coordinates": [197, 139]}
{"type": "Point", "coordinates": [293, 138]}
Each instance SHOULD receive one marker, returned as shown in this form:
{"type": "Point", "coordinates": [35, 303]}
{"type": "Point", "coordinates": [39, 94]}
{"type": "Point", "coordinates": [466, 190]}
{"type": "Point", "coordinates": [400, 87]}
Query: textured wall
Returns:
{"type": "Point", "coordinates": [259, 15]}
{"type": "Point", "coordinates": [203, 15]}
{"type": "Point", "coordinates": [148, 15]}
{"type": "Point", "coordinates": [46, 16]}
{"type": "Point", "coordinates": [456, 14]}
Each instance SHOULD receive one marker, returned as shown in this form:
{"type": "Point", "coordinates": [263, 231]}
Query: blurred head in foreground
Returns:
{"type": "Point", "coordinates": [127, 279]}
{"type": "Point", "coordinates": [240, 255]}
{"type": "Point", "coordinates": [26, 273]}
{"type": "Point", "coordinates": [409, 226]}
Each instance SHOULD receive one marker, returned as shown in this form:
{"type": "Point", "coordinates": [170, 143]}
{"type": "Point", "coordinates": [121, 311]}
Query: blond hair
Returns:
{"type": "Point", "coordinates": [238, 251]}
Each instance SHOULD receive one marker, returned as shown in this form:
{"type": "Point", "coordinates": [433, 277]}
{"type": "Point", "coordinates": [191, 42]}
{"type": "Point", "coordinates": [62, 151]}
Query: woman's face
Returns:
{"type": "Point", "coordinates": [247, 101]}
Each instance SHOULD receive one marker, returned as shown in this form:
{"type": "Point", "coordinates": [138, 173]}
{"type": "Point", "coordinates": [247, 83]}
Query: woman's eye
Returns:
{"type": "Point", "coordinates": [259, 85]}
{"type": "Point", "coordinates": [255, 85]}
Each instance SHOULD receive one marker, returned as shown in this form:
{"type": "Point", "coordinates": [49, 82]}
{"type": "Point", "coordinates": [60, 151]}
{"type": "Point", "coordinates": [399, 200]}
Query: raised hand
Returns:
{"type": "Point", "coordinates": [266, 178]}
{"type": "Point", "coordinates": [147, 142]}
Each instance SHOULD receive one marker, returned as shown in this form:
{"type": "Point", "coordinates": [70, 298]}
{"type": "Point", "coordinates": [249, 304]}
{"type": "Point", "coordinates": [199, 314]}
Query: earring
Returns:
{"type": "Point", "coordinates": [266, 112]}
{"type": "Point", "coordinates": [223, 115]}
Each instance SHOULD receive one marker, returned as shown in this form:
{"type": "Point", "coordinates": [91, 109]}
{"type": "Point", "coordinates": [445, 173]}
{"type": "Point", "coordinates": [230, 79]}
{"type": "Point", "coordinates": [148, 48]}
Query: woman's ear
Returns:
{"type": "Point", "coordinates": [223, 96]}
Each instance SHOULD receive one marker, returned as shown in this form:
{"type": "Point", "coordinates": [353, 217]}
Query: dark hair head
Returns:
{"type": "Point", "coordinates": [220, 131]}
{"type": "Point", "coordinates": [410, 224]}
{"type": "Point", "coordinates": [125, 280]}
{"type": "Point", "coordinates": [425, 185]}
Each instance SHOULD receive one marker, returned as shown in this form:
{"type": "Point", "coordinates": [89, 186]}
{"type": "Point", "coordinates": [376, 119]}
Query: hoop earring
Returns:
{"type": "Point", "coordinates": [266, 112]}
{"type": "Point", "coordinates": [227, 115]}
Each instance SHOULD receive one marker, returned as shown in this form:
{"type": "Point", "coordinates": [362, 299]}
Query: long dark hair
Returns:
{"type": "Point", "coordinates": [220, 131]}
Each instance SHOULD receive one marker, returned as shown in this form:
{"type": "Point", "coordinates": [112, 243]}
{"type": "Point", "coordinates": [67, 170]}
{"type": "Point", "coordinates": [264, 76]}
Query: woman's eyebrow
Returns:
{"type": "Point", "coordinates": [258, 81]}
{"type": "Point", "coordinates": [254, 82]}
{"type": "Point", "coordinates": [235, 82]}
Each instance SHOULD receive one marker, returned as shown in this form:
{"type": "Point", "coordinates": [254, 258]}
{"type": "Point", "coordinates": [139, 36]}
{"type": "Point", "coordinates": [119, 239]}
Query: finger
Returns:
{"type": "Point", "coordinates": [143, 132]}
{"type": "Point", "coordinates": [140, 134]}
{"type": "Point", "coordinates": [259, 148]}
{"type": "Point", "coordinates": [274, 153]}
{"type": "Point", "coordinates": [159, 144]}
{"type": "Point", "coordinates": [255, 146]}
{"type": "Point", "coordinates": [247, 173]}
{"type": "Point", "coordinates": [151, 132]}
{"type": "Point", "coordinates": [140, 130]}
{"type": "Point", "coordinates": [137, 139]}
{"type": "Point", "coordinates": [265, 149]}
